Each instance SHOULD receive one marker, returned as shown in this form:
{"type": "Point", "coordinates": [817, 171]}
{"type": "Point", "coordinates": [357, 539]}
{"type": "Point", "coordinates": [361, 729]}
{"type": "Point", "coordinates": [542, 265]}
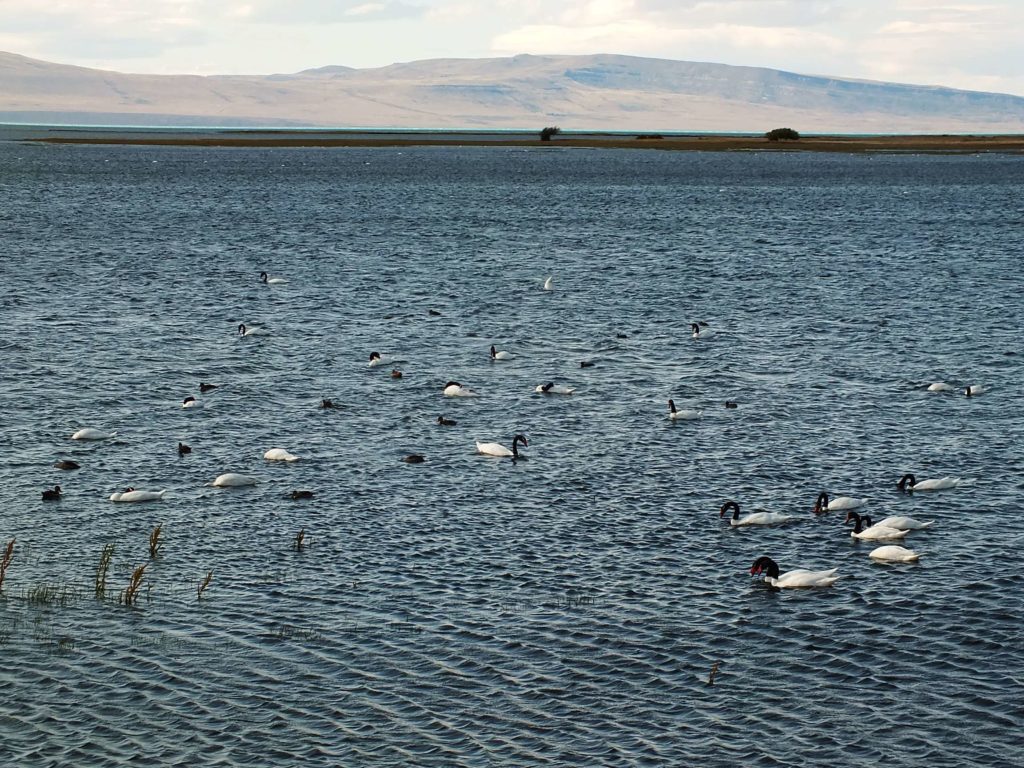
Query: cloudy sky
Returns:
{"type": "Point", "coordinates": [974, 44]}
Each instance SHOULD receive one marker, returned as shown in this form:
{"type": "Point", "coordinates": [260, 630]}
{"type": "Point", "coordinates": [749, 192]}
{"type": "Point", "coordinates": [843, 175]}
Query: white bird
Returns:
{"type": "Point", "coordinates": [871, 532]}
{"type": "Point", "coordinates": [267, 280]}
{"type": "Point", "coordinates": [904, 523]}
{"type": "Point", "coordinates": [755, 518]}
{"type": "Point", "coordinates": [92, 434]}
{"type": "Point", "coordinates": [454, 389]}
{"type": "Point", "coordinates": [233, 480]}
{"type": "Point", "coordinates": [798, 577]}
{"type": "Point", "coordinates": [940, 386]}
{"type": "Point", "coordinates": [908, 483]}
{"type": "Point", "coordinates": [547, 283]}
{"type": "Point", "coordinates": [837, 504]}
{"type": "Point", "coordinates": [244, 331]}
{"type": "Point", "coordinates": [495, 355]}
{"type": "Point", "coordinates": [552, 389]}
{"type": "Point", "coordinates": [975, 389]}
{"type": "Point", "coordinates": [894, 554]}
{"type": "Point", "coordinates": [130, 495]}
{"type": "Point", "coordinates": [497, 449]}
{"type": "Point", "coordinates": [279, 454]}
{"type": "Point", "coordinates": [701, 331]}
{"type": "Point", "coordinates": [376, 359]}
{"type": "Point", "coordinates": [674, 414]}
{"type": "Point", "coordinates": [191, 402]}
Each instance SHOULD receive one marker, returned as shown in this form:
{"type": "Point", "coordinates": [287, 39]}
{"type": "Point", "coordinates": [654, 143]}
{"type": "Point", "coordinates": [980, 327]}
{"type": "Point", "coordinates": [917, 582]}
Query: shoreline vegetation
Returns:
{"type": "Point", "coordinates": [267, 138]}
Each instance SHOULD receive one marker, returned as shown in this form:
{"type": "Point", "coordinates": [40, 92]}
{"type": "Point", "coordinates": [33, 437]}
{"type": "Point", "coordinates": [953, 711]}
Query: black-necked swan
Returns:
{"type": "Point", "coordinates": [903, 523]}
{"type": "Point", "coordinates": [279, 454]}
{"type": "Point", "coordinates": [191, 402]}
{"type": "Point", "coordinates": [822, 504]}
{"type": "Point", "coordinates": [267, 280]}
{"type": "Point", "coordinates": [553, 389]}
{"type": "Point", "coordinates": [52, 494]}
{"type": "Point", "coordinates": [701, 330]}
{"type": "Point", "coordinates": [67, 464]}
{"type": "Point", "coordinates": [908, 483]}
{"type": "Point", "coordinates": [245, 331]}
{"type": "Point", "coordinates": [940, 386]}
{"type": "Point", "coordinates": [755, 518]}
{"type": "Point", "coordinates": [446, 422]}
{"type": "Point", "coordinates": [976, 389]}
{"type": "Point", "coordinates": [376, 359]}
{"type": "Point", "coordinates": [131, 495]}
{"type": "Point", "coordinates": [496, 355]}
{"type": "Point", "coordinates": [675, 415]}
{"type": "Point", "coordinates": [894, 554]}
{"type": "Point", "coordinates": [454, 389]}
{"type": "Point", "coordinates": [863, 528]}
{"type": "Point", "coordinates": [798, 577]}
{"type": "Point", "coordinates": [497, 449]}
{"type": "Point", "coordinates": [92, 434]}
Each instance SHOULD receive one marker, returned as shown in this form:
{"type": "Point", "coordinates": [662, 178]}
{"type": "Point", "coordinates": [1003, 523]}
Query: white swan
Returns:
{"type": "Point", "coordinates": [279, 454]}
{"type": "Point", "coordinates": [245, 331]}
{"type": "Point", "coordinates": [191, 402]}
{"type": "Point", "coordinates": [553, 389]}
{"type": "Point", "coordinates": [92, 434]}
{"type": "Point", "coordinates": [798, 577]}
{"type": "Point", "coordinates": [940, 386]}
{"type": "Point", "coordinates": [872, 532]}
{"type": "Point", "coordinates": [267, 280]}
{"type": "Point", "coordinates": [837, 504]}
{"type": "Point", "coordinates": [233, 480]}
{"type": "Point", "coordinates": [454, 389]}
{"type": "Point", "coordinates": [495, 355]}
{"type": "Point", "coordinates": [975, 389]}
{"type": "Point", "coordinates": [547, 283]}
{"type": "Point", "coordinates": [130, 495]}
{"type": "Point", "coordinates": [674, 414]}
{"type": "Point", "coordinates": [894, 554]}
{"type": "Point", "coordinates": [908, 483]}
{"type": "Point", "coordinates": [755, 518]}
{"type": "Point", "coordinates": [701, 331]}
{"type": "Point", "coordinates": [497, 449]}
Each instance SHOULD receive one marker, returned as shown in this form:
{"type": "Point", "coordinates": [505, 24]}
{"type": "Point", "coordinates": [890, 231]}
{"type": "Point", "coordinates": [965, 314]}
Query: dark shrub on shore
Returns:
{"type": "Point", "coordinates": [782, 134]}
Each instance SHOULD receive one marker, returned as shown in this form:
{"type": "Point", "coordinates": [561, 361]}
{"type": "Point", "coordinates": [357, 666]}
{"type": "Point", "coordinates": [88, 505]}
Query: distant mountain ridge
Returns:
{"type": "Point", "coordinates": [595, 92]}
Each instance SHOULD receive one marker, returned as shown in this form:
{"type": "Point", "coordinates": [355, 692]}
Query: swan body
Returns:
{"type": "Point", "coordinates": [376, 359]}
{"type": "Point", "coordinates": [133, 495]}
{"type": "Point", "coordinates": [908, 483]}
{"type": "Point", "coordinates": [797, 578]}
{"type": "Point", "coordinates": [454, 389]}
{"type": "Point", "coordinates": [872, 532]}
{"type": "Point", "coordinates": [975, 389]}
{"type": "Point", "coordinates": [279, 454]}
{"type": "Point", "coordinates": [267, 280]}
{"type": "Point", "coordinates": [940, 386]}
{"type": "Point", "coordinates": [905, 523]}
{"type": "Point", "coordinates": [233, 480]}
{"type": "Point", "coordinates": [684, 414]}
{"type": "Point", "coordinates": [894, 554]}
{"type": "Point", "coordinates": [191, 402]}
{"type": "Point", "coordinates": [547, 283]}
{"type": "Point", "coordinates": [837, 504]}
{"type": "Point", "coordinates": [92, 434]}
{"type": "Point", "coordinates": [552, 389]}
{"type": "Point", "coordinates": [503, 355]}
{"type": "Point", "coordinates": [245, 331]}
{"type": "Point", "coordinates": [497, 449]}
{"type": "Point", "coordinates": [701, 331]}
{"type": "Point", "coordinates": [755, 518]}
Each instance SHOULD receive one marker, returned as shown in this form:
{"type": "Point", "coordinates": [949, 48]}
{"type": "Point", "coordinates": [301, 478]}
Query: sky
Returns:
{"type": "Point", "coordinates": [973, 44]}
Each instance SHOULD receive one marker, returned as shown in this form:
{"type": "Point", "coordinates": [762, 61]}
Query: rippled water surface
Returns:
{"type": "Point", "coordinates": [563, 610]}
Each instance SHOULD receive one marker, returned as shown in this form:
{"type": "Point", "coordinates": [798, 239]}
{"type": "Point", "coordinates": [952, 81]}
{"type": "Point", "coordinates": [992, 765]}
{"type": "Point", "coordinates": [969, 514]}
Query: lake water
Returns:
{"type": "Point", "coordinates": [472, 611]}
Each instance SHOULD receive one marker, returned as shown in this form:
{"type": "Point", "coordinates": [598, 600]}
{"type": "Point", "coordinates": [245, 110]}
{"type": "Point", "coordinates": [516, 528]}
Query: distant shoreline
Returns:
{"type": "Point", "coordinates": [284, 138]}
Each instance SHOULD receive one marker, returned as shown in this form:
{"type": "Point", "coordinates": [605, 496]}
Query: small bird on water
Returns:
{"type": "Point", "coordinates": [183, 449]}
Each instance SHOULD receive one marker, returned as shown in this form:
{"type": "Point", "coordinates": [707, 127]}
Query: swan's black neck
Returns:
{"type": "Point", "coordinates": [821, 504]}
{"type": "Point", "coordinates": [494, 352]}
{"type": "Point", "coordinates": [765, 565]}
{"type": "Point", "coordinates": [671, 406]}
{"type": "Point", "coordinates": [515, 445]}
{"type": "Point", "coordinates": [547, 387]}
{"type": "Point", "coordinates": [860, 523]}
{"type": "Point", "coordinates": [730, 505]}
{"type": "Point", "coordinates": [263, 277]}
{"type": "Point", "coordinates": [906, 483]}
{"type": "Point", "coordinates": [695, 327]}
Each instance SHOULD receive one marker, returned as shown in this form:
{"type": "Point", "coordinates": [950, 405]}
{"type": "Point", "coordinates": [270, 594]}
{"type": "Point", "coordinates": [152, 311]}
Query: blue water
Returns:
{"type": "Point", "coordinates": [563, 610]}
